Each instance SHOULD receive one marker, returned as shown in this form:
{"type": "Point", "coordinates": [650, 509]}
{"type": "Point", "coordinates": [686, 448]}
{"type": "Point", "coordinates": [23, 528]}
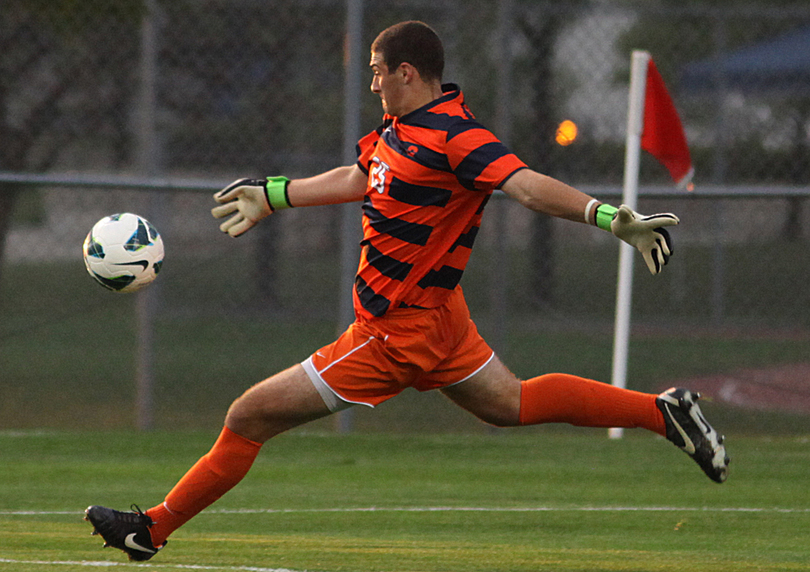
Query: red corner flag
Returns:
{"type": "Point", "coordinates": [663, 135]}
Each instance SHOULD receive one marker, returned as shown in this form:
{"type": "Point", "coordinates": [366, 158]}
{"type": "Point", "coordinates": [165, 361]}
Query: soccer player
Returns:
{"type": "Point", "coordinates": [424, 176]}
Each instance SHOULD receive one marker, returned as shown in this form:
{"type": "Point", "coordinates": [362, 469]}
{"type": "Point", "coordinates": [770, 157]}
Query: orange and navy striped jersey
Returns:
{"type": "Point", "coordinates": [430, 174]}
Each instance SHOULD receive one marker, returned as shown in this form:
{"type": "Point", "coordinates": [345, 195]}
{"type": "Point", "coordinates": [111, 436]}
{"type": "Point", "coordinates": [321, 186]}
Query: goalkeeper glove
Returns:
{"type": "Point", "coordinates": [249, 201]}
{"type": "Point", "coordinates": [646, 233]}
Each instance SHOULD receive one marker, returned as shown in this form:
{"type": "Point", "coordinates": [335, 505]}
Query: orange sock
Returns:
{"type": "Point", "coordinates": [563, 398]}
{"type": "Point", "coordinates": [212, 476]}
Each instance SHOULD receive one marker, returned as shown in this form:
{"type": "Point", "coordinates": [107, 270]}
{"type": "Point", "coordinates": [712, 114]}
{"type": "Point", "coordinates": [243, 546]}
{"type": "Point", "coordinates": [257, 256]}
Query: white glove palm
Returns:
{"type": "Point", "coordinates": [647, 234]}
{"type": "Point", "coordinates": [247, 200]}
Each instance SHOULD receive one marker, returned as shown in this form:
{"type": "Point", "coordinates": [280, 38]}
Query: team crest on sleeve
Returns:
{"type": "Point", "coordinates": [379, 172]}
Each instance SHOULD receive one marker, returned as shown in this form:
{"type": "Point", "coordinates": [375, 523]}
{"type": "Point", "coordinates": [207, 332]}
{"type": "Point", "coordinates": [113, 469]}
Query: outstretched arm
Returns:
{"type": "Point", "coordinates": [251, 200]}
{"type": "Point", "coordinates": [545, 194]}
{"type": "Point", "coordinates": [341, 185]}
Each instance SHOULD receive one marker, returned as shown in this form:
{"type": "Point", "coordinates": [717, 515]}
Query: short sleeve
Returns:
{"type": "Point", "coordinates": [480, 160]}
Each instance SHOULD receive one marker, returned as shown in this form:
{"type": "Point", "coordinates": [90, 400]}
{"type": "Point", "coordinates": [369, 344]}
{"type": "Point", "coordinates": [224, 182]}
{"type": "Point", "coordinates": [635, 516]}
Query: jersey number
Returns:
{"type": "Point", "coordinates": [378, 174]}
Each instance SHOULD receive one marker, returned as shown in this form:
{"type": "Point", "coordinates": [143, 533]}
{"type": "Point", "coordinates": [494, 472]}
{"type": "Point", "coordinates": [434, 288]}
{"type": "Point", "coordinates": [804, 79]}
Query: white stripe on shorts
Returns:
{"type": "Point", "coordinates": [330, 397]}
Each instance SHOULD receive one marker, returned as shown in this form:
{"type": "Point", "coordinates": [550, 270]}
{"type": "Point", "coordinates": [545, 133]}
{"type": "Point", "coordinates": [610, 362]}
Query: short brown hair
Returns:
{"type": "Point", "coordinates": [413, 42]}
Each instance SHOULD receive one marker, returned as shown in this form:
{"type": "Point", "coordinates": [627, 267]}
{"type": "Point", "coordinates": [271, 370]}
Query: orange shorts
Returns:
{"type": "Point", "coordinates": [376, 359]}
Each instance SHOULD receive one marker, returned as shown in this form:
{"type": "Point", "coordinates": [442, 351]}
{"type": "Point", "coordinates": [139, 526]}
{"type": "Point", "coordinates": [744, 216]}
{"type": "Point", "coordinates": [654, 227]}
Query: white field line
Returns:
{"type": "Point", "coordinates": [92, 564]}
{"type": "Point", "coordinates": [451, 509]}
{"type": "Point", "coordinates": [516, 509]}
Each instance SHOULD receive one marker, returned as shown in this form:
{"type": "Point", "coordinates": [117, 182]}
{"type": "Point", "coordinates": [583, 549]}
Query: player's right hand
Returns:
{"type": "Point", "coordinates": [246, 200]}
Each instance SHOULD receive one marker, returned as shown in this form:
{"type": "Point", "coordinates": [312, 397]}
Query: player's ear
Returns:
{"type": "Point", "coordinates": [407, 72]}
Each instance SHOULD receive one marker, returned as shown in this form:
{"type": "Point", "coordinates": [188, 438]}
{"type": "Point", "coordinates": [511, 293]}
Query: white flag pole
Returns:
{"type": "Point", "coordinates": [624, 287]}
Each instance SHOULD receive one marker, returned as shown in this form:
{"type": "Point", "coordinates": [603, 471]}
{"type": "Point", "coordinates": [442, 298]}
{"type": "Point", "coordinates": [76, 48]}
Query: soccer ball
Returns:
{"type": "Point", "coordinates": [123, 252]}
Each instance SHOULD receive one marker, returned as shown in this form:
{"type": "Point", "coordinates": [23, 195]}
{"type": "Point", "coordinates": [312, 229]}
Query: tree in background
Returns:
{"type": "Point", "coordinates": [64, 80]}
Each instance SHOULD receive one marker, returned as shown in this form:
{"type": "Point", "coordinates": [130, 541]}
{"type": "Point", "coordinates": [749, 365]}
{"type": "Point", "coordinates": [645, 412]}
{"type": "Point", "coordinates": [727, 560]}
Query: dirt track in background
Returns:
{"type": "Point", "coordinates": [781, 388]}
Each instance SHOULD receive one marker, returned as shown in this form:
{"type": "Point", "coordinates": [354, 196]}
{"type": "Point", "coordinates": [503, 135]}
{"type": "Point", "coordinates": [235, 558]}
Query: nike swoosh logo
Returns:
{"type": "Point", "coordinates": [689, 447]}
{"type": "Point", "coordinates": [143, 263]}
{"type": "Point", "coordinates": [129, 542]}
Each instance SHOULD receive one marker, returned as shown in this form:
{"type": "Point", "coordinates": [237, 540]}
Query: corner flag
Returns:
{"type": "Point", "coordinates": [662, 134]}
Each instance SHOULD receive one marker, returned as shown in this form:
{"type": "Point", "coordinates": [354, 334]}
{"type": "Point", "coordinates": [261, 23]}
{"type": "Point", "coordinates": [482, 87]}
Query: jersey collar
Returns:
{"type": "Point", "coordinates": [450, 92]}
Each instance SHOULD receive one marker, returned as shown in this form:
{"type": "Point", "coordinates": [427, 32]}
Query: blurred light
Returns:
{"type": "Point", "coordinates": [566, 133]}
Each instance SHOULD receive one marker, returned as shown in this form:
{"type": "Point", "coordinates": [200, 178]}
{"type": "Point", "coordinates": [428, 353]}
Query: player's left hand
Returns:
{"type": "Point", "coordinates": [647, 234]}
{"type": "Point", "coordinates": [246, 200]}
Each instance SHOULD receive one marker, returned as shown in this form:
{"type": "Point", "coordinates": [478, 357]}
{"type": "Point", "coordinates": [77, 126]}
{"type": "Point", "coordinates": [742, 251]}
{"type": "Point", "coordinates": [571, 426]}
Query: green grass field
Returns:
{"type": "Point", "coordinates": [420, 485]}
{"type": "Point", "coordinates": [510, 501]}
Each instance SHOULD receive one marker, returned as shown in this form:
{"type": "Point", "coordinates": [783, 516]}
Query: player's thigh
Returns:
{"type": "Point", "coordinates": [492, 394]}
{"type": "Point", "coordinates": [281, 402]}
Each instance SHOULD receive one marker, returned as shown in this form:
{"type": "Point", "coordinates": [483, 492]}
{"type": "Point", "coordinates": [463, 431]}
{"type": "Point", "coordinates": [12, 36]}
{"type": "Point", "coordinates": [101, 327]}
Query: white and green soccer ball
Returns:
{"type": "Point", "coordinates": [123, 252]}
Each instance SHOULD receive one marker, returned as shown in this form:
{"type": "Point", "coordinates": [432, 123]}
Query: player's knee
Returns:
{"type": "Point", "coordinates": [496, 414]}
{"type": "Point", "coordinates": [501, 418]}
{"type": "Point", "coordinates": [275, 405]}
{"type": "Point", "coordinates": [242, 418]}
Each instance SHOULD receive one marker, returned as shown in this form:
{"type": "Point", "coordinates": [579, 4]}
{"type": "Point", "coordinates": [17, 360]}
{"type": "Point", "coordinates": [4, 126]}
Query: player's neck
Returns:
{"type": "Point", "coordinates": [421, 95]}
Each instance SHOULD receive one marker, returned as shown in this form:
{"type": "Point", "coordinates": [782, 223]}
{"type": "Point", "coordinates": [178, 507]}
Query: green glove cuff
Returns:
{"type": "Point", "coordinates": [605, 215]}
{"type": "Point", "coordinates": [276, 189]}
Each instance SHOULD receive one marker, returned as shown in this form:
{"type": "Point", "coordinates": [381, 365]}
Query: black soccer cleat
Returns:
{"type": "Point", "coordinates": [689, 430]}
{"type": "Point", "coordinates": [127, 531]}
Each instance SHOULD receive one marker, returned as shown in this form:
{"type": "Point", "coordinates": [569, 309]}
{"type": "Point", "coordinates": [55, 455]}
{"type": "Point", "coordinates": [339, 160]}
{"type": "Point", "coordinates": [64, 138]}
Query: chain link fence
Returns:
{"type": "Point", "coordinates": [214, 90]}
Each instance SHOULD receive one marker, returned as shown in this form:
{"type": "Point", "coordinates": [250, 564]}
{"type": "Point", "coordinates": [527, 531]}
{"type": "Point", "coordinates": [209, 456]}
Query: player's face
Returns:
{"type": "Point", "coordinates": [386, 84]}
